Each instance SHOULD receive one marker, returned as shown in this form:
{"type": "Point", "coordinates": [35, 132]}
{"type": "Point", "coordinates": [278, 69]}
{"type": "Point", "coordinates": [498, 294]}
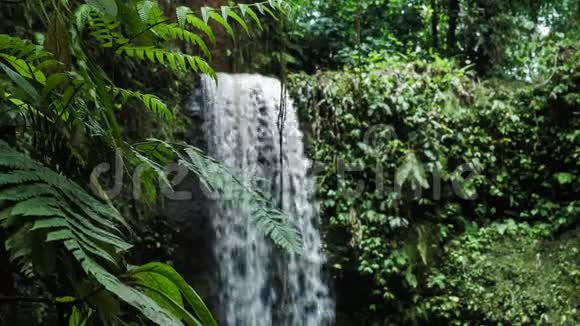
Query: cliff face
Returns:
{"type": "Point", "coordinates": [188, 218]}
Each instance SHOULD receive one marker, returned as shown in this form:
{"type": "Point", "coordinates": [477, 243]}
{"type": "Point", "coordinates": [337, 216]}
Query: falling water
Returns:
{"type": "Point", "coordinates": [259, 283]}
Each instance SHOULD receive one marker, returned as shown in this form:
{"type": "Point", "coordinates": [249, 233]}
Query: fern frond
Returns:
{"type": "Point", "coordinates": [22, 49]}
{"type": "Point", "coordinates": [173, 31]}
{"type": "Point", "coordinates": [175, 61]}
{"type": "Point", "coordinates": [217, 178]}
{"type": "Point", "coordinates": [181, 14]}
{"type": "Point", "coordinates": [24, 62]}
{"type": "Point", "coordinates": [270, 221]}
{"type": "Point", "coordinates": [49, 196]}
{"type": "Point", "coordinates": [246, 9]}
{"type": "Point", "coordinates": [194, 21]}
{"type": "Point", "coordinates": [53, 209]}
{"type": "Point", "coordinates": [238, 19]}
{"type": "Point", "coordinates": [26, 191]}
{"type": "Point", "coordinates": [106, 30]}
{"type": "Point", "coordinates": [154, 160]}
{"type": "Point", "coordinates": [144, 9]}
{"type": "Point", "coordinates": [222, 21]}
{"type": "Point", "coordinates": [19, 245]}
{"type": "Point", "coordinates": [262, 8]}
{"type": "Point", "coordinates": [152, 102]}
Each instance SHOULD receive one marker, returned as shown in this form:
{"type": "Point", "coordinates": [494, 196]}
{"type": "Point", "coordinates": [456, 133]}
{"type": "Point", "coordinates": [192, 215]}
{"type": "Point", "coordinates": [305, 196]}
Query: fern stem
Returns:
{"type": "Point", "coordinates": [146, 30]}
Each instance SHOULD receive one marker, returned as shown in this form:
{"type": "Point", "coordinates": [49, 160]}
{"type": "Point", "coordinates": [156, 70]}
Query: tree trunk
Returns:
{"type": "Point", "coordinates": [453, 12]}
{"type": "Point", "coordinates": [435, 25]}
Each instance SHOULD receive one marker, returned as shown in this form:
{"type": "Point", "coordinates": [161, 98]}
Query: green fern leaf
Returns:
{"type": "Point", "coordinates": [266, 9]}
{"type": "Point", "coordinates": [160, 295]}
{"type": "Point", "coordinates": [154, 104]}
{"type": "Point", "coordinates": [192, 63]}
{"type": "Point", "coordinates": [215, 16]}
{"type": "Point", "coordinates": [159, 55]}
{"type": "Point", "coordinates": [167, 31]}
{"type": "Point", "coordinates": [26, 191]}
{"type": "Point", "coordinates": [130, 295]}
{"type": "Point", "coordinates": [205, 67]}
{"type": "Point", "coordinates": [214, 177]}
{"type": "Point", "coordinates": [16, 177]}
{"type": "Point", "coordinates": [181, 13]}
{"type": "Point", "coordinates": [59, 211]}
{"type": "Point", "coordinates": [162, 56]}
{"type": "Point", "coordinates": [19, 244]}
{"type": "Point", "coordinates": [240, 21]}
{"type": "Point", "coordinates": [38, 206]}
{"type": "Point", "coordinates": [171, 59]}
{"type": "Point", "coordinates": [72, 237]}
{"type": "Point", "coordinates": [254, 16]}
{"type": "Point", "coordinates": [202, 26]}
{"type": "Point", "coordinates": [278, 6]}
{"type": "Point", "coordinates": [272, 222]}
{"type": "Point", "coordinates": [163, 291]}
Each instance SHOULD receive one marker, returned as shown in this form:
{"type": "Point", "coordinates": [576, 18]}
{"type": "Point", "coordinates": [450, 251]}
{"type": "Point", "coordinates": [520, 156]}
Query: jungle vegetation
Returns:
{"type": "Point", "coordinates": [444, 135]}
{"type": "Point", "coordinates": [62, 113]}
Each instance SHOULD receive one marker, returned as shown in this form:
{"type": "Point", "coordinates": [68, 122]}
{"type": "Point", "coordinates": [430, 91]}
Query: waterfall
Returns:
{"type": "Point", "coordinates": [259, 283]}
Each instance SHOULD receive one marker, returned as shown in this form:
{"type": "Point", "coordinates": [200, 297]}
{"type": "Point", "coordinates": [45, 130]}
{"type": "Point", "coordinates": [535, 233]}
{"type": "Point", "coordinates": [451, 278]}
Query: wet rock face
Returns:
{"type": "Point", "coordinates": [188, 217]}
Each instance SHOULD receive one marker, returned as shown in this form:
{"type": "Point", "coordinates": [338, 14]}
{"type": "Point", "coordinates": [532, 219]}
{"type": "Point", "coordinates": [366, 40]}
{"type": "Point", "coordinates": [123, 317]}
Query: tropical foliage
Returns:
{"type": "Point", "coordinates": [444, 135]}
{"type": "Point", "coordinates": [414, 152]}
{"type": "Point", "coordinates": [327, 34]}
{"type": "Point", "coordinates": [57, 103]}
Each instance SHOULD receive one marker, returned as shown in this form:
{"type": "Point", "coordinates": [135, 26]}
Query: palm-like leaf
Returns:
{"type": "Point", "coordinates": [217, 178]}
{"type": "Point", "coordinates": [41, 205]}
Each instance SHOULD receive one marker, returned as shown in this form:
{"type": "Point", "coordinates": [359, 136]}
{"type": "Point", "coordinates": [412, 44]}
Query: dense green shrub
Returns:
{"type": "Point", "coordinates": [510, 274]}
{"type": "Point", "coordinates": [399, 126]}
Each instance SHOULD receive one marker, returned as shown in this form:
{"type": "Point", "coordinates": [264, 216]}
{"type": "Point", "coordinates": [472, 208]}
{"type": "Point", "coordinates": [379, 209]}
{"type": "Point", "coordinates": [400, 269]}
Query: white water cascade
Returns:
{"type": "Point", "coordinates": [260, 284]}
